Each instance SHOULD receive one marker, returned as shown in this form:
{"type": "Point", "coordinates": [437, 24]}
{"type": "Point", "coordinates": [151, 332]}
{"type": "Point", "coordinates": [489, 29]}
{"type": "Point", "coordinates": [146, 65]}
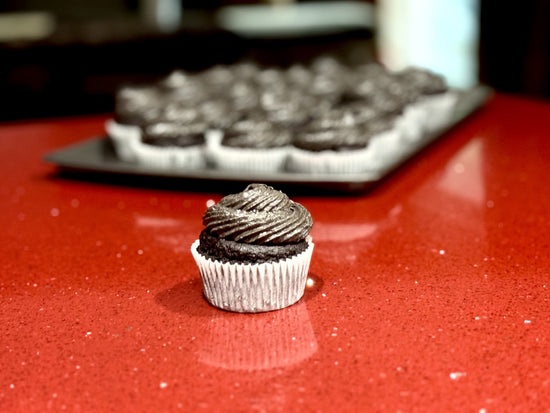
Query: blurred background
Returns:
{"type": "Point", "coordinates": [68, 57]}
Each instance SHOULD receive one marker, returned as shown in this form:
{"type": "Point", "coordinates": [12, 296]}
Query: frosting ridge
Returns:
{"type": "Point", "coordinates": [258, 215]}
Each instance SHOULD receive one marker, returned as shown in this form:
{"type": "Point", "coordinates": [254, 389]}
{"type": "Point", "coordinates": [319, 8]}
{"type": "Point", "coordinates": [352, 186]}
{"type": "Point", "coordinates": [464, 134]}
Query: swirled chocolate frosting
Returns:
{"type": "Point", "coordinates": [259, 215]}
{"type": "Point", "coordinates": [257, 138]}
{"type": "Point", "coordinates": [423, 81]}
{"type": "Point", "coordinates": [172, 134]}
{"type": "Point", "coordinates": [338, 140]}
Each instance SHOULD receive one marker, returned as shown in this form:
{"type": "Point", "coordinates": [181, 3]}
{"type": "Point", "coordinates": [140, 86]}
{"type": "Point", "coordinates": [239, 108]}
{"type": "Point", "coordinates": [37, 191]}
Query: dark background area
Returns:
{"type": "Point", "coordinates": [515, 46]}
{"type": "Point", "coordinates": [98, 46]}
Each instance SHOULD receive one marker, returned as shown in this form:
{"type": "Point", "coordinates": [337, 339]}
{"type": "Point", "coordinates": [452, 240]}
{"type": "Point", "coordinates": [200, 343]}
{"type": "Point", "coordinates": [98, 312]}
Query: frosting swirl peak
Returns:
{"type": "Point", "coordinates": [258, 215]}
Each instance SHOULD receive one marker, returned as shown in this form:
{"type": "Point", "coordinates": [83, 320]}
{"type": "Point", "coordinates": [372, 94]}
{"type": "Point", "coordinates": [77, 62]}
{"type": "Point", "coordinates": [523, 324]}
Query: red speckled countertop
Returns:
{"type": "Point", "coordinates": [430, 293]}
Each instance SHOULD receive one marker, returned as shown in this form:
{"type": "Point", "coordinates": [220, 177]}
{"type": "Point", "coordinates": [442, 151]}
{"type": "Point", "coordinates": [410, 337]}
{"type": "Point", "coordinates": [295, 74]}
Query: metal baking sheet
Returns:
{"type": "Point", "coordinates": [96, 155]}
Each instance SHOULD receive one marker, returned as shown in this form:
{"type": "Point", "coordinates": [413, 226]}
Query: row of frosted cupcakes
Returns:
{"type": "Point", "coordinates": [190, 121]}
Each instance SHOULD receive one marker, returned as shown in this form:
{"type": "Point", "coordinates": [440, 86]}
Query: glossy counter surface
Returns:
{"type": "Point", "coordinates": [429, 293]}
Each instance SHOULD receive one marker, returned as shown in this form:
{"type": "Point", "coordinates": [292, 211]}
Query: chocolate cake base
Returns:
{"type": "Point", "coordinates": [232, 251]}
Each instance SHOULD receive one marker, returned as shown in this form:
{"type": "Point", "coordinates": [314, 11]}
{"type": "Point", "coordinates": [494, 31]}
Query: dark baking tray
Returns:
{"type": "Point", "coordinates": [96, 155]}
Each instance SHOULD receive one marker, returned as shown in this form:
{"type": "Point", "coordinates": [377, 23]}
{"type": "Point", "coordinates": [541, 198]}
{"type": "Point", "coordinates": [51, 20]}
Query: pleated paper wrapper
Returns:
{"type": "Point", "coordinates": [170, 157]}
{"type": "Point", "coordinates": [382, 147]}
{"type": "Point", "coordinates": [248, 159]}
{"type": "Point", "coordinates": [128, 146]}
{"type": "Point", "coordinates": [122, 137]}
{"type": "Point", "coordinates": [254, 288]}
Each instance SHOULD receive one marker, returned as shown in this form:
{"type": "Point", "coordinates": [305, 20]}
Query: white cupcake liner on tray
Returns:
{"type": "Point", "coordinates": [248, 159]}
{"type": "Point", "coordinates": [440, 109]}
{"type": "Point", "coordinates": [436, 110]}
{"type": "Point", "coordinates": [380, 149]}
{"type": "Point", "coordinates": [213, 138]}
{"type": "Point", "coordinates": [386, 148]}
{"type": "Point", "coordinates": [333, 162]}
{"type": "Point", "coordinates": [170, 157]}
{"type": "Point", "coordinates": [411, 123]}
{"type": "Point", "coordinates": [428, 114]}
{"type": "Point", "coordinates": [129, 147]}
{"type": "Point", "coordinates": [123, 137]}
{"type": "Point", "coordinates": [254, 288]}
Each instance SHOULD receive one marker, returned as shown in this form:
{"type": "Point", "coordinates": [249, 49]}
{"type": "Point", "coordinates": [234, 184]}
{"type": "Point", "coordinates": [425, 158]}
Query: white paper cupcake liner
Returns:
{"type": "Point", "coordinates": [254, 288]}
{"type": "Point", "coordinates": [330, 162]}
{"type": "Point", "coordinates": [168, 157]}
{"type": "Point", "coordinates": [439, 110]}
{"type": "Point", "coordinates": [123, 138]}
{"type": "Point", "coordinates": [386, 148]}
{"type": "Point", "coordinates": [381, 148]}
{"type": "Point", "coordinates": [213, 138]}
{"type": "Point", "coordinates": [411, 123]}
{"type": "Point", "coordinates": [248, 159]}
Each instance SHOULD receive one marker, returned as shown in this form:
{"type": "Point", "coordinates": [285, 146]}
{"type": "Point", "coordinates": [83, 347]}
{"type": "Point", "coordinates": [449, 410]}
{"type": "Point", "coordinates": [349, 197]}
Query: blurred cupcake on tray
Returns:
{"type": "Point", "coordinates": [435, 99]}
{"type": "Point", "coordinates": [167, 145]}
{"type": "Point", "coordinates": [251, 146]}
{"type": "Point", "coordinates": [134, 107]}
{"type": "Point", "coordinates": [331, 144]}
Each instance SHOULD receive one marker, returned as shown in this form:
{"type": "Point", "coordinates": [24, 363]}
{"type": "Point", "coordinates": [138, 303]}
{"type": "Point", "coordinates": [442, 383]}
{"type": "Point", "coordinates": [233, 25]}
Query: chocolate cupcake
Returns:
{"type": "Point", "coordinates": [298, 77]}
{"type": "Point", "coordinates": [183, 88]}
{"type": "Point", "coordinates": [243, 96]}
{"type": "Point", "coordinates": [171, 146]}
{"type": "Point", "coordinates": [385, 141]}
{"type": "Point", "coordinates": [218, 114]}
{"type": "Point", "coordinates": [287, 109]}
{"type": "Point", "coordinates": [255, 250]}
{"type": "Point", "coordinates": [344, 150]}
{"type": "Point", "coordinates": [332, 118]}
{"type": "Point", "coordinates": [336, 141]}
{"type": "Point", "coordinates": [383, 93]}
{"type": "Point", "coordinates": [435, 100]}
{"type": "Point", "coordinates": [251, 145]}
{"type": "Point", "coordinates": [217, 79]}
{"type": "Point", "coordinates": [135, 106]}
{"type": "Point", "coordinates": [396, 106]}
{"type": "Point", "coordinates": [382, 129]}
{"type": "Point", "coordinates": [245, 70]}
{"type": "Point", "coordinates": [180, 113]}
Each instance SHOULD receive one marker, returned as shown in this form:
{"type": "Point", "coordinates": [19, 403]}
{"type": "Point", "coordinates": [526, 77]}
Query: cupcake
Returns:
{"type": "Point", "coordinates": [386, 142]}
{"type": "Point", "coordinates": [270, 78]}
{"type": "Point", "coordinates": [217, 79]}
{"type": "Point", "coordinates": [435, 100]}
{"type": "Point", "coordinates": [286, 108]}
{"type": "Point", "coordinates": [243, 96]}
{"type": "Point", "coordinates": [251, 145]}
{"type": "Point", "coordinates": [184, 88]}
{"type": "Point", "coordinates": [331, 151]}
{"type": "Point", "coordinates": [382, 92]}
{"type": "Point", "coordinates": [218, 114]}
{"type": "Point", "coordinates": [334, 142]}
{"type": "Point", "coordinates": [254, 252]}
{"type": "Point", "coordinates": [298, 76]}
{"type": "Point", "coordinates": [245, 70]}
{"type": "Point", "coordinates": [134, 108]}
{"type": "Point", "coordinates": [394, 105]}
{"type": "Point", "coordinates": [170, 146]}
{"type": "Point", "coordinates": [178, 112]}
